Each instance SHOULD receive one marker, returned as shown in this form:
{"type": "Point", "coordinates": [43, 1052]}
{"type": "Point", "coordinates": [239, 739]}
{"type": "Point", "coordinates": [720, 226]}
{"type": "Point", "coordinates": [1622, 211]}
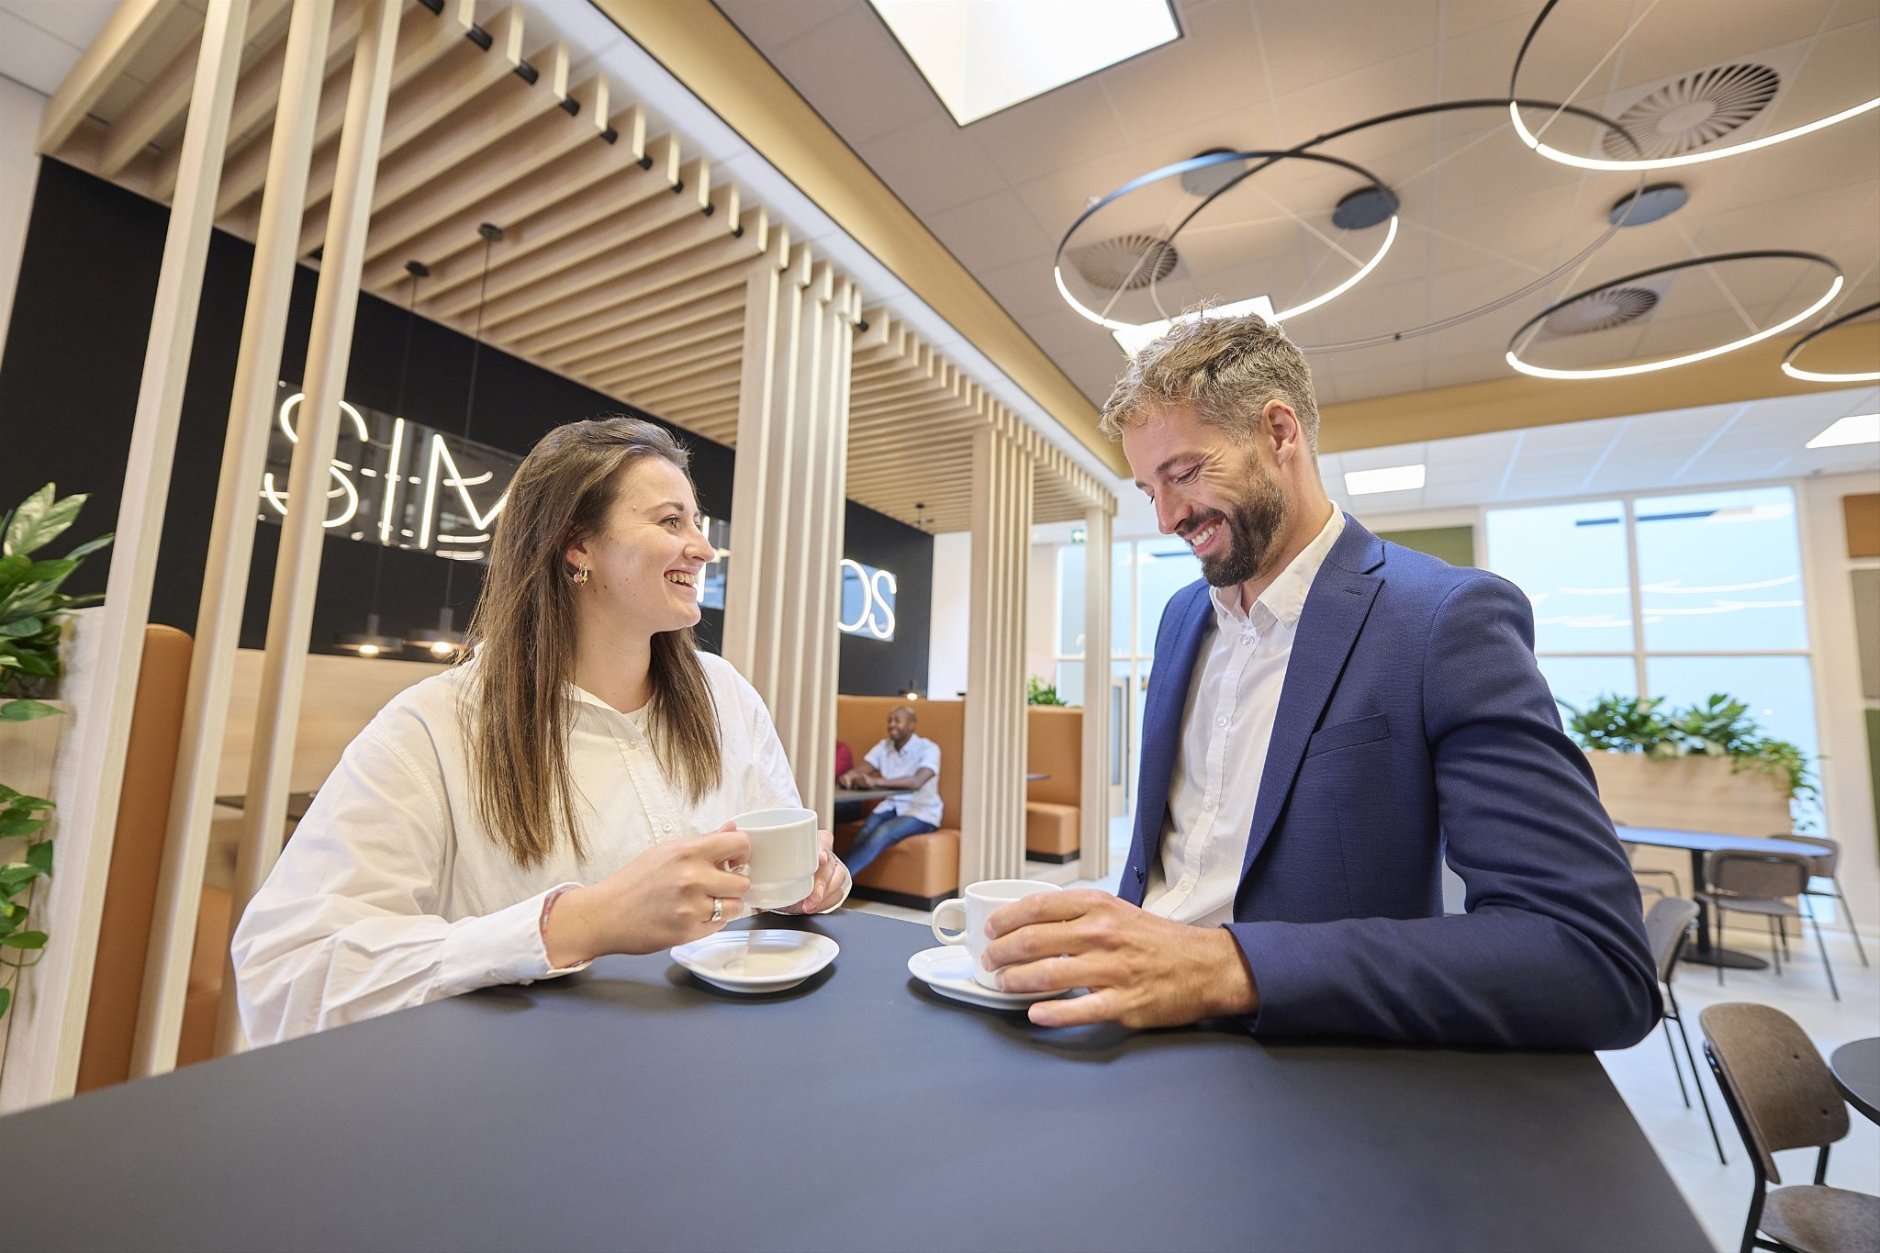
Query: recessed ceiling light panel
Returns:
{"type": "Point", "coordinates": [1387, 479]}
{"type": "Point", "coordinates": [982, 57]}
{"type": "Point", "coordinates": [1861, 428]}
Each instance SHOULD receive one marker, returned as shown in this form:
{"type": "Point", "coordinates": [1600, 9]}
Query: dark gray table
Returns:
{"type": "Point", "coordinates": [632, 1108]}
{"type": "Point", "coordinates": [1856, 1071]}
{"type": "Point", "coordinates": [1699, 843]}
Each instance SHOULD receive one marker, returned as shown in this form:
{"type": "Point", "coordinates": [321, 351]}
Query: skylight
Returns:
{"type": "Point", "coordinates": [981, 57]}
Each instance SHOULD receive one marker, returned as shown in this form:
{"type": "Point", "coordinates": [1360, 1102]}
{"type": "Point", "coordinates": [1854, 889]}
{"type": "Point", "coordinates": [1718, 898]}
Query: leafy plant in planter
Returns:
{"type": "Point", "coordinates": [31, 606]}
{"type": "Point", "coordinates": [1038, 692]}
{"type": "Point", "coordinates": [1720, 726]}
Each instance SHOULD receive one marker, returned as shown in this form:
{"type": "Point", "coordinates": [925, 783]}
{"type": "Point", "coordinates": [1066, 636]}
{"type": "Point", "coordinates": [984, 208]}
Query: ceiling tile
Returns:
{"type": "Point", "coordinates": [768, 23]}
{"type": "Point", "coordinates": [73, 22]}
{"type": "Point", "coordinates": [1214, 68]}
{"type": "Point", "coordinates": [1307, 44]}
{"type": "Point", "coordinates": [931, 164]}
{"type": "Point", "coordinates": [879, 88]}
{"type": "Point", "coordinates": [1059, 129]}
{"type": "Point", "coordinates": [32, 56]}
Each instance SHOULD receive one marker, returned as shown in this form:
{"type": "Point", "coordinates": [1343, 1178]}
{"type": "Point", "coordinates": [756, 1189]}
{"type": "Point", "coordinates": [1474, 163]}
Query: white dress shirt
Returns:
{"type": "Point", "coordinates": [1227, 727]}
{"type": "Point", "coordinates": [392, 893]}
{"type": "Point", "coordinates": [902, 763]}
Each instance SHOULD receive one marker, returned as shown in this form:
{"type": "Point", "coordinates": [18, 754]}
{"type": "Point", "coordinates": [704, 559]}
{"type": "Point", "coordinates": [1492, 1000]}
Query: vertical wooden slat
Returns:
{"type": "Point", "coordinates": [47, 1022]}
{"type": "Point", "coordinates": [992, 835]}
{"type": "Point", "coordinates": [296, 577]}
{"type": "Point", "coordinates": [780, 602]}
{"type": "Point", "coordinates": [1094, 839]}
{"type": "Point", "coordinates": [231, 544]}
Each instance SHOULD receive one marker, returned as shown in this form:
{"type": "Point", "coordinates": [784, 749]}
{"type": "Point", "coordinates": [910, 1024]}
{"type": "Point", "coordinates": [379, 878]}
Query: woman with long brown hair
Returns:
{"type": "Point", "coordinates": [561, 794]}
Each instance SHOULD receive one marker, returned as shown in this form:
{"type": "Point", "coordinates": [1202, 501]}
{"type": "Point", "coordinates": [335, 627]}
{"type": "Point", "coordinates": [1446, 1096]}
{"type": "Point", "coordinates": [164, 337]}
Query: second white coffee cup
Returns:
{"type": "Point", "coordinates": [962, 919]}
{"type": "Point", "coordinates": [783, 855]}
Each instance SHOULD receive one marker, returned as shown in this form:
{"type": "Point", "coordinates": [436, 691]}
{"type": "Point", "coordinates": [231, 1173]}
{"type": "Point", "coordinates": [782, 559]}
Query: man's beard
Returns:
{"type": "Point", "coordinates": [1253, 528]}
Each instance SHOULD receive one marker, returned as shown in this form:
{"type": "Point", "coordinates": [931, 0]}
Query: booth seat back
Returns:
{"type": "Point", "coordinates": [862, 721]}
{"type": "Point", "coordinates": [130, 894]}
{"type": "Point", "coordinates": [1056, 748]}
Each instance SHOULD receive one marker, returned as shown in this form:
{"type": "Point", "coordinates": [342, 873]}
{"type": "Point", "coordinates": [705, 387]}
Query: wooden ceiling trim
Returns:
{"type": "Point", "coordinates": [420, 42]}
{"type": "Point", "coordinates": [582, 324]}
{"type": "Point", "coordinates": [706, 344]}
{"type": "Point", "coordinates": [161, 106]}
{"type": "Point", "coordinates": [439, 226]}
{"type": "Point", "coordinates": [486, 124]}
{"type": "Point", "coordinates": [125, 35]}
{"type": "Point", "coordinates": [566, 233]}
{"type": "Point", "coordinates": [255, 96]}
{"type": "Point", "coordinates": [630, 243]}
{"type": "Point", "coordinates": [716, 384]}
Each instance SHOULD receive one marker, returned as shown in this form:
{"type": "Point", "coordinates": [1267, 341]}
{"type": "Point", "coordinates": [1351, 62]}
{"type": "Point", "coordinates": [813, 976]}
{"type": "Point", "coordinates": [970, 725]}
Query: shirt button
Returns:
{"type": "Point", "coordinates": [1221, 721]}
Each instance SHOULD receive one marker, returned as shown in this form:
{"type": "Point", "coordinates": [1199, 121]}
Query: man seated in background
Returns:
{"type": "Point", "coordinates": [902, 761]}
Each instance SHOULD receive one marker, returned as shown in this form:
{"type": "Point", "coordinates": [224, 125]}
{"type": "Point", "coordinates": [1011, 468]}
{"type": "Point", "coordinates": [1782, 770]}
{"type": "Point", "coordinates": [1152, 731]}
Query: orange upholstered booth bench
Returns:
{"type": "Point", "coordinates": [921, 870]}
{"type": "Point", "coordinates": [1053, 805]}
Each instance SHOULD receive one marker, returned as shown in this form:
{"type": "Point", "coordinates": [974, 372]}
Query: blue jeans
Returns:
{"type": "Point", "coordinates": [878, 833]}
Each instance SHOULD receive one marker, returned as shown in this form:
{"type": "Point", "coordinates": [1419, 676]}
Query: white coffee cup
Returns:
{"type": "Point", "coordinates": [973, 906]}
{"type": "Point", "coordinates": [782, 864]}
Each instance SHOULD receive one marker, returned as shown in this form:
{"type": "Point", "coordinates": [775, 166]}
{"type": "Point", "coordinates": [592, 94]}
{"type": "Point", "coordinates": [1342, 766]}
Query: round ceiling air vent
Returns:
{"type": "Point", "coordinates": [1125, 262]}
{"type": "Point", "coordinates": [1693, 111]}
{"type": "Point", "coordinates": [1602, 310]}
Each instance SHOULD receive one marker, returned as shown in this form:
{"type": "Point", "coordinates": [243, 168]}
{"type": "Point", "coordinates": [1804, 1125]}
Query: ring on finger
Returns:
{"type": "Point", "coordinates": [718, 910]}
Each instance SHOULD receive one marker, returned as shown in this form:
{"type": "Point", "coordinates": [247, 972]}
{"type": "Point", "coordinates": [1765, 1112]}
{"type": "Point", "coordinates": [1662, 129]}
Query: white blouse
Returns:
{"type": "Point", "coordinates": [392, 893]}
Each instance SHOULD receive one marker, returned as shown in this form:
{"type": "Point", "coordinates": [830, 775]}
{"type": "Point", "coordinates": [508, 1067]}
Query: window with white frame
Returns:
{"type": "Point", "coordinates": [1678, 596]}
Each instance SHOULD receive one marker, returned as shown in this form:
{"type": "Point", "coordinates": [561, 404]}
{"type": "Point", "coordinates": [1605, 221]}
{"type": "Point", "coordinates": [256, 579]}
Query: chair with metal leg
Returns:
{"type": "Point", "coordinates": [1828, 866]}
{"type": "Point", "coordinates": [1766, 884]}
{"type": "Point", "coordinates": [1782, 1096]}
{"type": "Point", "coordinates": [1667, 926]}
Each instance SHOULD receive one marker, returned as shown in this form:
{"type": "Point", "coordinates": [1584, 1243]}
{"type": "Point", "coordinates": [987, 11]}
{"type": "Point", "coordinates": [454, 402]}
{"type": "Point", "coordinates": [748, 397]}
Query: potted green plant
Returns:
{"type": "Point", "coordinates": [1707, 767]}
{"type": "Point", "coordinates": [33, 608]}
{"type": "Point", "coordinates": [1038, 692]}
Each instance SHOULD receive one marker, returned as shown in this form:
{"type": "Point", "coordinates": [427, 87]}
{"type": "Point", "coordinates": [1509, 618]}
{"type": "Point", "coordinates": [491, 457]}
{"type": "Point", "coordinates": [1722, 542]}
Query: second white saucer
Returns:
{"type": "Point", "coordinates": [948, 970]}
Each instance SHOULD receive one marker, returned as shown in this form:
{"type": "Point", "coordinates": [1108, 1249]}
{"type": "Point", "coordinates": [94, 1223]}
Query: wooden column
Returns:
{"type": "Point", "coordinates": [781, 598]}
{"type": "Point", "coordinates": [231, 544]}
{"type": "Point", "coordinates": [297, 574]}
{"type": "Point", "coordinates": [47, 1022]}
{"type": "Point", "coordinates": [1094, 839]}
{"type": "Point", "coordinates": [992, 782]}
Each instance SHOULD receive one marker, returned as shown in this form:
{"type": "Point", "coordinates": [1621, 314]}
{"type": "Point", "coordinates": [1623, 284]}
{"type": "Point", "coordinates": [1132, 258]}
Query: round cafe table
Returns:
{"type": "Point", "coordinates": [1856, 1071]}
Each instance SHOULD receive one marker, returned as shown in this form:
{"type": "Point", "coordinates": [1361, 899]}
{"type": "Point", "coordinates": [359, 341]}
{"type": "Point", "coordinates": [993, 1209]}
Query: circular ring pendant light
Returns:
{"type": "Point", "coordinates": [1825, 376]}
{"type": "Point", "coordinates": [1517, 341]}
{"type": "Point", "coordinates": [1642, 163]}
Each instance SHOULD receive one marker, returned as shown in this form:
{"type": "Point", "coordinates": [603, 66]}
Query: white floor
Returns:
{"type": "Point", "coordinates": [1718, 1194]}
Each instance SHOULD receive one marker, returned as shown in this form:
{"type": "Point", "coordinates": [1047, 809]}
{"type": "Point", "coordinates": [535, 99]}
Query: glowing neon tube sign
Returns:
{"type": "Point", "coordinates": [404, 485]}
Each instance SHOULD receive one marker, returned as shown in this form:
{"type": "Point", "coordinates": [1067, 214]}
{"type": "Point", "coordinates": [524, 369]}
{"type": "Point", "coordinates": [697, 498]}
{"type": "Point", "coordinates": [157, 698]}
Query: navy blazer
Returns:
{"type": "Point", "coordinates": [1414, 725]}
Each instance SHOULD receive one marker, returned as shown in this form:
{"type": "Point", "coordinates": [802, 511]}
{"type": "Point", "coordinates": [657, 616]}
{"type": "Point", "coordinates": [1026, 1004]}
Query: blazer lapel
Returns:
{"type": "Point", "coordinates": [1162, 732]}
{"type": "Point", "coordinates": [1334, 612]}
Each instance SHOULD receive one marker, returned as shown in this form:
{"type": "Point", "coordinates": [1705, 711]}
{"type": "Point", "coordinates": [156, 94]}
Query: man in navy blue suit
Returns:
{"type": "Point", "coordinates": [1330, 717]}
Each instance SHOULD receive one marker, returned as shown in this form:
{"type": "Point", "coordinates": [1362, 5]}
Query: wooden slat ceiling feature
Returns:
{"type": "Point", "coordinates": [912, 417]}
{"type": "Point", "coordinates": [622, 261]}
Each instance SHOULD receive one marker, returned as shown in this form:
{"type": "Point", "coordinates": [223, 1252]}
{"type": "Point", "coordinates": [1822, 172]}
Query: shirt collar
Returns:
{"type": "Point", "coordinates": [1285, 598]}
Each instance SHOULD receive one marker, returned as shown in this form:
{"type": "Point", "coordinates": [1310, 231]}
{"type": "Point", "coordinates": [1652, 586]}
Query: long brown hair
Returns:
{"type": "Point", "coordinates": [517, 713]}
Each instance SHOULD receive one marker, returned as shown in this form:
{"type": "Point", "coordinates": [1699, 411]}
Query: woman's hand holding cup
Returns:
{"type": "Point", "coordinates": [673, 893]}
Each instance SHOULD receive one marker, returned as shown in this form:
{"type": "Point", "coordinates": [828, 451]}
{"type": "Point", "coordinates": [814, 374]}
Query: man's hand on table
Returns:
{"type": "Point", "coordinates": [1142, 971]}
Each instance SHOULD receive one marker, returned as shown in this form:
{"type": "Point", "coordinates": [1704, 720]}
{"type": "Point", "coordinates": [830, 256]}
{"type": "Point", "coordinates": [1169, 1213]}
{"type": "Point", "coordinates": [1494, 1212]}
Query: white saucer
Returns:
{"type": "Point", "coordinates": [782, 959]}
{"type": "Point", "coordinates": [948, 970]}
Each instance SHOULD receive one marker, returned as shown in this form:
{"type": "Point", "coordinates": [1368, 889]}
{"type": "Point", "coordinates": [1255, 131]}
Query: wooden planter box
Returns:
{"type": "Point", "coordinates": [1689, 794]}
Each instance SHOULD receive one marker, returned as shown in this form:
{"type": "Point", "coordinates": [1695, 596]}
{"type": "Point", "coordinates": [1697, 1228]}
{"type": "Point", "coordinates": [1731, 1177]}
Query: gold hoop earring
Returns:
{"type": "Point", "coordinates": [580, 576]}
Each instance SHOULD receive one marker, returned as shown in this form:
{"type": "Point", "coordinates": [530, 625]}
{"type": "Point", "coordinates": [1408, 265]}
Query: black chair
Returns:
{"type": "Point", "coordinates": [1667, 926]}
{"type": "Point", "coordinates": [1782, 1096]}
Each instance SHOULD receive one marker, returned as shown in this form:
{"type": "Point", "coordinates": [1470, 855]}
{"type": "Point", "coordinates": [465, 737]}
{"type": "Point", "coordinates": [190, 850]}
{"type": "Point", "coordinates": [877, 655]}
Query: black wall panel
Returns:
{"type": "Point", "coordinates": [68, 394]}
